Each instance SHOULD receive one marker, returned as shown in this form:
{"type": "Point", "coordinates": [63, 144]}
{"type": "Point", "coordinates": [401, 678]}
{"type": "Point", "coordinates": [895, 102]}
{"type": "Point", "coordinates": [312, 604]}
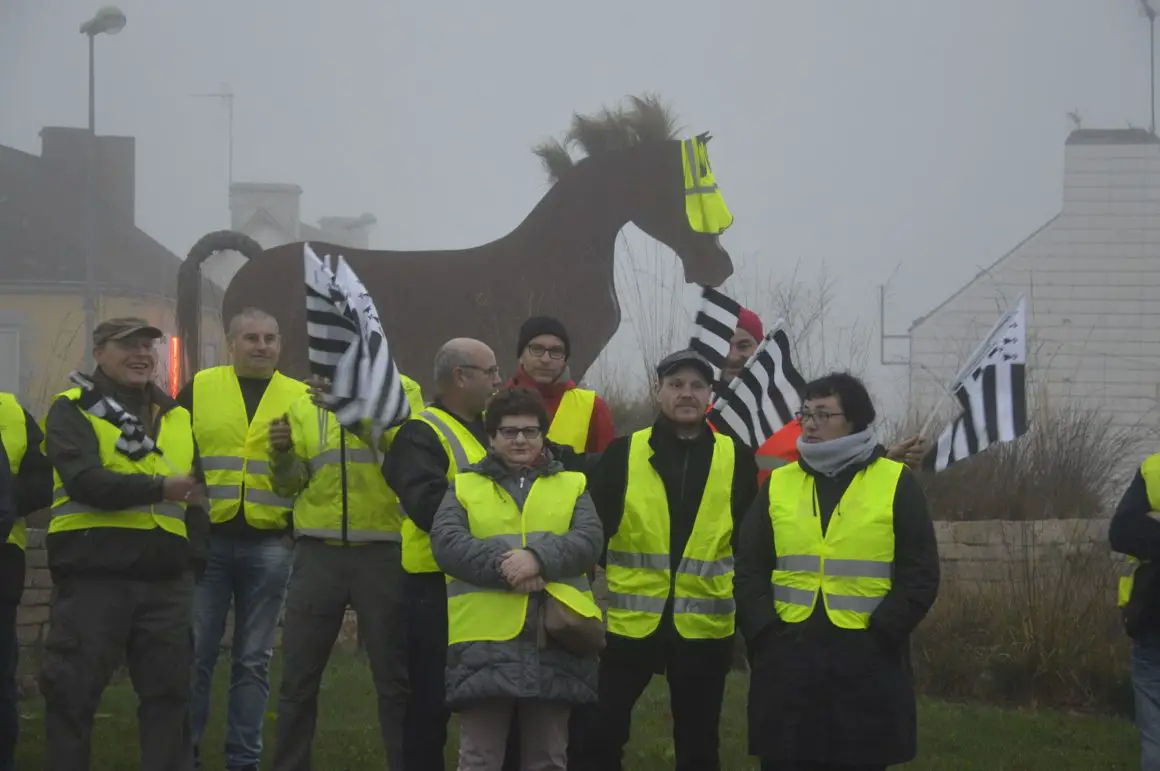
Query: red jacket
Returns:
{"type": "Point", "coordinates": [600, 429]}
{"type": "Point", "coordinates": [782, 446]}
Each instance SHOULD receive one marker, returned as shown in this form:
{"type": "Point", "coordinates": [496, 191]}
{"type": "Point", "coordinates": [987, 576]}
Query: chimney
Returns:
{"type": "Point", "coordinates": [1111, 171]}
{"type": "Point", "coordinates": [67, 150]}
{"type": "Point", "coordinates": [280, 202]}
{"type": "Point", "coordinates": [348, 231]}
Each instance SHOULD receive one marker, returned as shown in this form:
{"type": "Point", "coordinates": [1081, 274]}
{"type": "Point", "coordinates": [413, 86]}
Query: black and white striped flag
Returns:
{"type": "Point", "coordinates": [765, 395]}
{"type": "Point", "coordinates": [347, 346]}
{"type": "Point", "coordinates": [991, 392]}
{"type": "Point", "coordinates": [715, 324]}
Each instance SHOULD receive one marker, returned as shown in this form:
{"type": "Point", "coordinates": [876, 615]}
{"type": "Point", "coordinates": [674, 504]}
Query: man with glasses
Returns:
{"type": "Point", "coordinates": [427, 452]}
{"type": "Point", "coordinates": [580, 419]}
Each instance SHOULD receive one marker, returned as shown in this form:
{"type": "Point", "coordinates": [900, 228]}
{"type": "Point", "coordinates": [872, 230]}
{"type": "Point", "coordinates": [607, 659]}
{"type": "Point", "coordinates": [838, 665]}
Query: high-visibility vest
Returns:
{"type": "Point", "coordinates": [1150, 470]}
{"type": "Point", "coordinates": [704, 203]}
{"type": "Point", "coordinates": [462, 449]}
{"type": "Point", "coordinates": [373, 513]}
{"type": "Point", "coordinates": [573, 416]}
{"type": "Point", "coordinates": [852, 564]}
{"type": "Point", "coordinates": [14, 434]}
{"type": "Point", "coordinates": [639, 568]}
{"type": "Point", "coordinates": [477, 613]}
{"type": "Point", "coordinates": [174, 439]}
{"type": "Point", "coordinates": [235, 450]}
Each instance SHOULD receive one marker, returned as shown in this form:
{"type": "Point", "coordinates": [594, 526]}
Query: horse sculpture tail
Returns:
{"type": "Point", "coordinates": [189, 288]}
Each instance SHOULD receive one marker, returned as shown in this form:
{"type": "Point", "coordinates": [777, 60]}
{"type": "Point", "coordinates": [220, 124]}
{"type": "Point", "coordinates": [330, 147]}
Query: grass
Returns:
{"type": "Point", "coordinates": [951, 736]}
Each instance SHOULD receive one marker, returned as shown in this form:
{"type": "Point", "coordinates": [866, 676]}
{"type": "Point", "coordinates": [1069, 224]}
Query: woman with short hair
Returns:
{"type": "Point", "coordinates": [516, 536]}
{"type": "Point", "coordinates": [837, 563]}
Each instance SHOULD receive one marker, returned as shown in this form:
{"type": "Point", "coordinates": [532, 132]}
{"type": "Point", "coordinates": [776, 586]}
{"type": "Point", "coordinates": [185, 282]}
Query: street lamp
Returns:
{"type": "Point", "coordinates": [109, 20]}
{"type": "Point", "coordinates": [1150, 14]}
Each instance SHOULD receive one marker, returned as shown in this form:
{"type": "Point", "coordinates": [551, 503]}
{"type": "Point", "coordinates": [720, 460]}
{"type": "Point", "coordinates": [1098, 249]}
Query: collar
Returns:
{"type": "Point", "coordinates": [664, 432]}
{"type": "Point", "coordinates": [130, 397]}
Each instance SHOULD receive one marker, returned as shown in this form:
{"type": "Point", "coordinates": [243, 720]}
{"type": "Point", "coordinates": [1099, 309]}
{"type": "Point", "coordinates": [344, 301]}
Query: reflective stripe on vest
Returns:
{"type": "Point", "coordinates": [462, 450]}
{"type": "Point", "coordinates": [234, 448]}
{"type": "Point", "coordinates": [852, 563]}
{"type": "Point", "coordinates": [704, 205]}
{"type": "Point", "coordinates": [14, 434]}
{"type": "Point", "coordinates": [573, 418]}
{"type": "Point", "coordinates": [175, 440]}
{"type": "Point", "coordinates": [639, 566]}
{"type": "Point", "coordinates": [1150, 470]}
{"type": "Point", "coordinates": [365, 510]}
{"type": "Point", "coordinates": [477, 613]}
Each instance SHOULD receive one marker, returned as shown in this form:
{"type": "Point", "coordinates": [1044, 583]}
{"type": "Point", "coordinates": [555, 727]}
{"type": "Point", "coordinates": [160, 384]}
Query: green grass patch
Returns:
{"type": "Point", "coordinates": [951, 736]}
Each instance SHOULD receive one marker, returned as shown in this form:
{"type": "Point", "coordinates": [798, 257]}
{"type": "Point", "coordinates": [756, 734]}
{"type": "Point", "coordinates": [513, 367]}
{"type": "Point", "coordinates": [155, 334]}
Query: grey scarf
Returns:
{"type": "Point", "coordinates": [832, 457]}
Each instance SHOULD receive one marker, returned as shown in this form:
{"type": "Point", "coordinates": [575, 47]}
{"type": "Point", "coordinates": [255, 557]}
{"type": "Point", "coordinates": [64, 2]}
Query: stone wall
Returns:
{"type": "Point", "coordinates": [978, 552]}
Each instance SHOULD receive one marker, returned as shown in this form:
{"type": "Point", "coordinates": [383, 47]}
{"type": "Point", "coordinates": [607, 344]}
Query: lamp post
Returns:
{"type": "Point", "coordinates": [109, 20]}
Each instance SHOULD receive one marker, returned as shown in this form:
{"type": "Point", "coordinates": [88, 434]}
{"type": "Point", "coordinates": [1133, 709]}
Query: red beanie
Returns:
{"type": "Point", "coordinates": [747, 320]}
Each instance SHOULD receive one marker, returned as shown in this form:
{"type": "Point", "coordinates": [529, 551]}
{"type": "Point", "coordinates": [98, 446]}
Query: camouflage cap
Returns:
{"type": "Point", "coordinates": [121, 328]}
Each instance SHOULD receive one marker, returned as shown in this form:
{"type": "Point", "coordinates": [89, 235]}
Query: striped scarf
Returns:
{"type": "Point", "coordinates": [134, 442]}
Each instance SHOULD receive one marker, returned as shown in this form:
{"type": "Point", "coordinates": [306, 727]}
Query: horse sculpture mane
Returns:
{"type": "Point", "coordinates": [558, 261]}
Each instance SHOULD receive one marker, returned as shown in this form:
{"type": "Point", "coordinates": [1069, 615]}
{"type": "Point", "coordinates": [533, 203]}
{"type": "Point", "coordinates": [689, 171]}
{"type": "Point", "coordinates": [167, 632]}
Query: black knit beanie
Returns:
{"type": "Point", "coordinates": [543, 325]}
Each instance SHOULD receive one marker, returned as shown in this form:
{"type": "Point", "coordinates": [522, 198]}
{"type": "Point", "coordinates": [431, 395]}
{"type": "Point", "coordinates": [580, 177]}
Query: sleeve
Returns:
{"type": "Point", "coordinates": [1132, 531]}
{"type": "Point", "coordinates": [601, 431]}
{"type": "Point", "coordinates": [915, 582]}
{"type": "Point", "coordinates": [72, 448]}
{"type": "Point", "coordinates": [33, 482]}
{"type": "Point", "coordinates": [7, 495]}
{"type": "Point", "coordinates": [744, 485]}
{"type": "Point", "coordinates": [185, 397]}
{"type": "Point", "coordinates": [197, 518]}
{"type": "Point", "coordinates": [290, 470]}
{"type": "Point", "coordinates": [460, 554]}
{"type": "Point", "coordinates": [754, 560]}
{"type": "Point", "coordinates": [575, 552]}
{"type": "Point", "coordinates": [416, 469]}
{"type": "Point", "coordinates": [606, 485]}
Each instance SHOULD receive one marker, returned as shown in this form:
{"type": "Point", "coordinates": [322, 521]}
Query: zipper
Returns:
{"type": "Point", "coordinates": [681, 503]}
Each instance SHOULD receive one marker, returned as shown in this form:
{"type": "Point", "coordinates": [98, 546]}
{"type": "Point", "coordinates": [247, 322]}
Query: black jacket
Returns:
{"type": "Point", "coordinates": [27, 491]}
{"type": "Point", "coordinates": [73, 449]}
{"type": "Point", "coordinates": [824, 694]}
{"type": "Point", "coordinates": [683, 465]}
{"type": "Point", "coordinates": [1136, 534]}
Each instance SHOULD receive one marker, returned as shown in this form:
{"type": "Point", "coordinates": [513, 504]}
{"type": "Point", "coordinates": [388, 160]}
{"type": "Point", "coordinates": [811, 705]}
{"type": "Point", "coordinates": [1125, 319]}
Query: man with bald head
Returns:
{"type": "Point", "coordinates": [427, 452]}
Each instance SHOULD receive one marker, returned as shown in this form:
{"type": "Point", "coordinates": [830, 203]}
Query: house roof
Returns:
{"type": "Point", "coordinates": [43, 219]}
{"type": "Point", "coordinates": [1131, 136]}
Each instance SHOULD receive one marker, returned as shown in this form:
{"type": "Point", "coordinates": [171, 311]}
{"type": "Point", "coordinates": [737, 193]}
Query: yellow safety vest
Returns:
{"type": "Point", "coordinates": [477, 613]}
{"type": "Point", "coordinates": [14, 434]}
{"type": "Point", "coordinates": [175, 440]}
{"type": "Point", "coordinates": [573, 416]}
{"type": "Point", "coordinates": [373, 513]}
{"type": "Point", "coordinates": [462, 449]}
{"type": "Point", "coordinates": [235, 451]}
{"type": "Point", "coordinates": [851, 565]}
{"type": "Point", "coordinates": [704, 203]}
{"type": "Point", "coordinates": [639, 574]}
{"type": "Point", "coordinates": [1150, 470]}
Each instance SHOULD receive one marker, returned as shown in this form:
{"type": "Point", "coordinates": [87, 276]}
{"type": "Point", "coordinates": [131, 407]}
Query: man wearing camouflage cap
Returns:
{"type": "Point", "coordinates": [128, 530]}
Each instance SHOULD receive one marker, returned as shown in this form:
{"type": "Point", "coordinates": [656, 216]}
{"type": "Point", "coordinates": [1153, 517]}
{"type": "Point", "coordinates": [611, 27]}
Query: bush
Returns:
{"type": "Point", "coordinates": [1048, 636]}
{"type": "Point", "coordinates": [1066, 467]}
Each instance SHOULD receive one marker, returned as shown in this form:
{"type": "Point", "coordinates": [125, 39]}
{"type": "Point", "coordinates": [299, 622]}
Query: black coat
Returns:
{"type": "Point", "coordinates": [824, 694]}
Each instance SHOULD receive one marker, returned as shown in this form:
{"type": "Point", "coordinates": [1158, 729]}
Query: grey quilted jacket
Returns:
{"type": "Point", "coordinates": [516, 668]}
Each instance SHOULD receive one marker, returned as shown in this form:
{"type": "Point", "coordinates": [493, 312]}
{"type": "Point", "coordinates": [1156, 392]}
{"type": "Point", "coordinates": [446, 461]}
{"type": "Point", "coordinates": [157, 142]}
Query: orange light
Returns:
{"type": "Point", "coordinates": [174, 366]}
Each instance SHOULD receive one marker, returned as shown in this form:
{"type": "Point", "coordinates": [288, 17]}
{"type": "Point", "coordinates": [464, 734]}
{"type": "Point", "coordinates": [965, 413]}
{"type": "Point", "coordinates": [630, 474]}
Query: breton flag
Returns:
{"type": "Point", "coordinates": [991, 392]}
{"type": "Point", "coordinates": [764, 397]}
{"type": "Point", "coordinates": [347, 345]}
{"type": "Point", "coordinates": [715, 324]}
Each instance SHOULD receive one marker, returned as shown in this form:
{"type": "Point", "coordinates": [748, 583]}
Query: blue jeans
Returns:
{"type": "Point", "coordinates": [253, 573]}
{"type": "Point", "coordinates": [1146, 684]}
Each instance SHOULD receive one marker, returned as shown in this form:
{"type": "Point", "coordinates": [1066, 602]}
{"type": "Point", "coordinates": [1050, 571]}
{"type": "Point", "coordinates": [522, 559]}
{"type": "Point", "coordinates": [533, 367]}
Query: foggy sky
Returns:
{"type": "Point", "coordinates": [927, 134]}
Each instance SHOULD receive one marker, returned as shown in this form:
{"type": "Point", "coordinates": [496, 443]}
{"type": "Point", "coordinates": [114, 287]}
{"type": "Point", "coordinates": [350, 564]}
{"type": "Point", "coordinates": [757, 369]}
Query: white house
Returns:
{"type": "Point", "coordinates": [1091, 276]}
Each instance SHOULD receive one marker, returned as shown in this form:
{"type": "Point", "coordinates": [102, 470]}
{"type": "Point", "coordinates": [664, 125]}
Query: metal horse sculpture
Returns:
{"type": "Point", "coordinates": [558, 261]}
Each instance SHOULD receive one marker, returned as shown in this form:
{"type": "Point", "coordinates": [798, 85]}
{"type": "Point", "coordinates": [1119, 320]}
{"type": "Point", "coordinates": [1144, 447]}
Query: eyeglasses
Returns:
{"type": "Point", "coordinates": [537, 351]}
{"type": "Point", "coordinates": [492, 371]}
{"type": "Point", "coordinates": [511, 432]}
{"type": "Point", "coordinates": [821, 416]}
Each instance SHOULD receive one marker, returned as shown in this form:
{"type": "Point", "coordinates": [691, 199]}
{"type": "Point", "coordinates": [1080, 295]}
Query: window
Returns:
{"type": "Point", "coordinates": [10, 359]}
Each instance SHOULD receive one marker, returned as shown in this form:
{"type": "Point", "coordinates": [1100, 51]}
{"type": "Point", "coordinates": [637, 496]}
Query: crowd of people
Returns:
{"type": "Point", "coordinates": [467, 541]}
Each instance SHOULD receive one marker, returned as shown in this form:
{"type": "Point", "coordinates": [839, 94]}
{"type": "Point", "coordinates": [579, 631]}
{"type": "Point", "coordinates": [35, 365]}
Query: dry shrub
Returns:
{"type": "Point", "coordinates": [1049, 635]}
{"type": "Point", "coordinates": [1067, 466]}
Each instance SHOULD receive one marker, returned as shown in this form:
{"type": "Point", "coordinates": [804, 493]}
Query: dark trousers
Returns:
{"type": "Point", "coordinates": [427, 714]}
{"type": "Point", "coordinates": [696, 673]}
{"type": "Point", "coordinates": [809, 765]}
{"type": "Point", "coordinates": [95, 621]}
{"type": "Point", "coordinates": [326, 579]}
{"type": "Point", "coordinates": [9, 693]}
